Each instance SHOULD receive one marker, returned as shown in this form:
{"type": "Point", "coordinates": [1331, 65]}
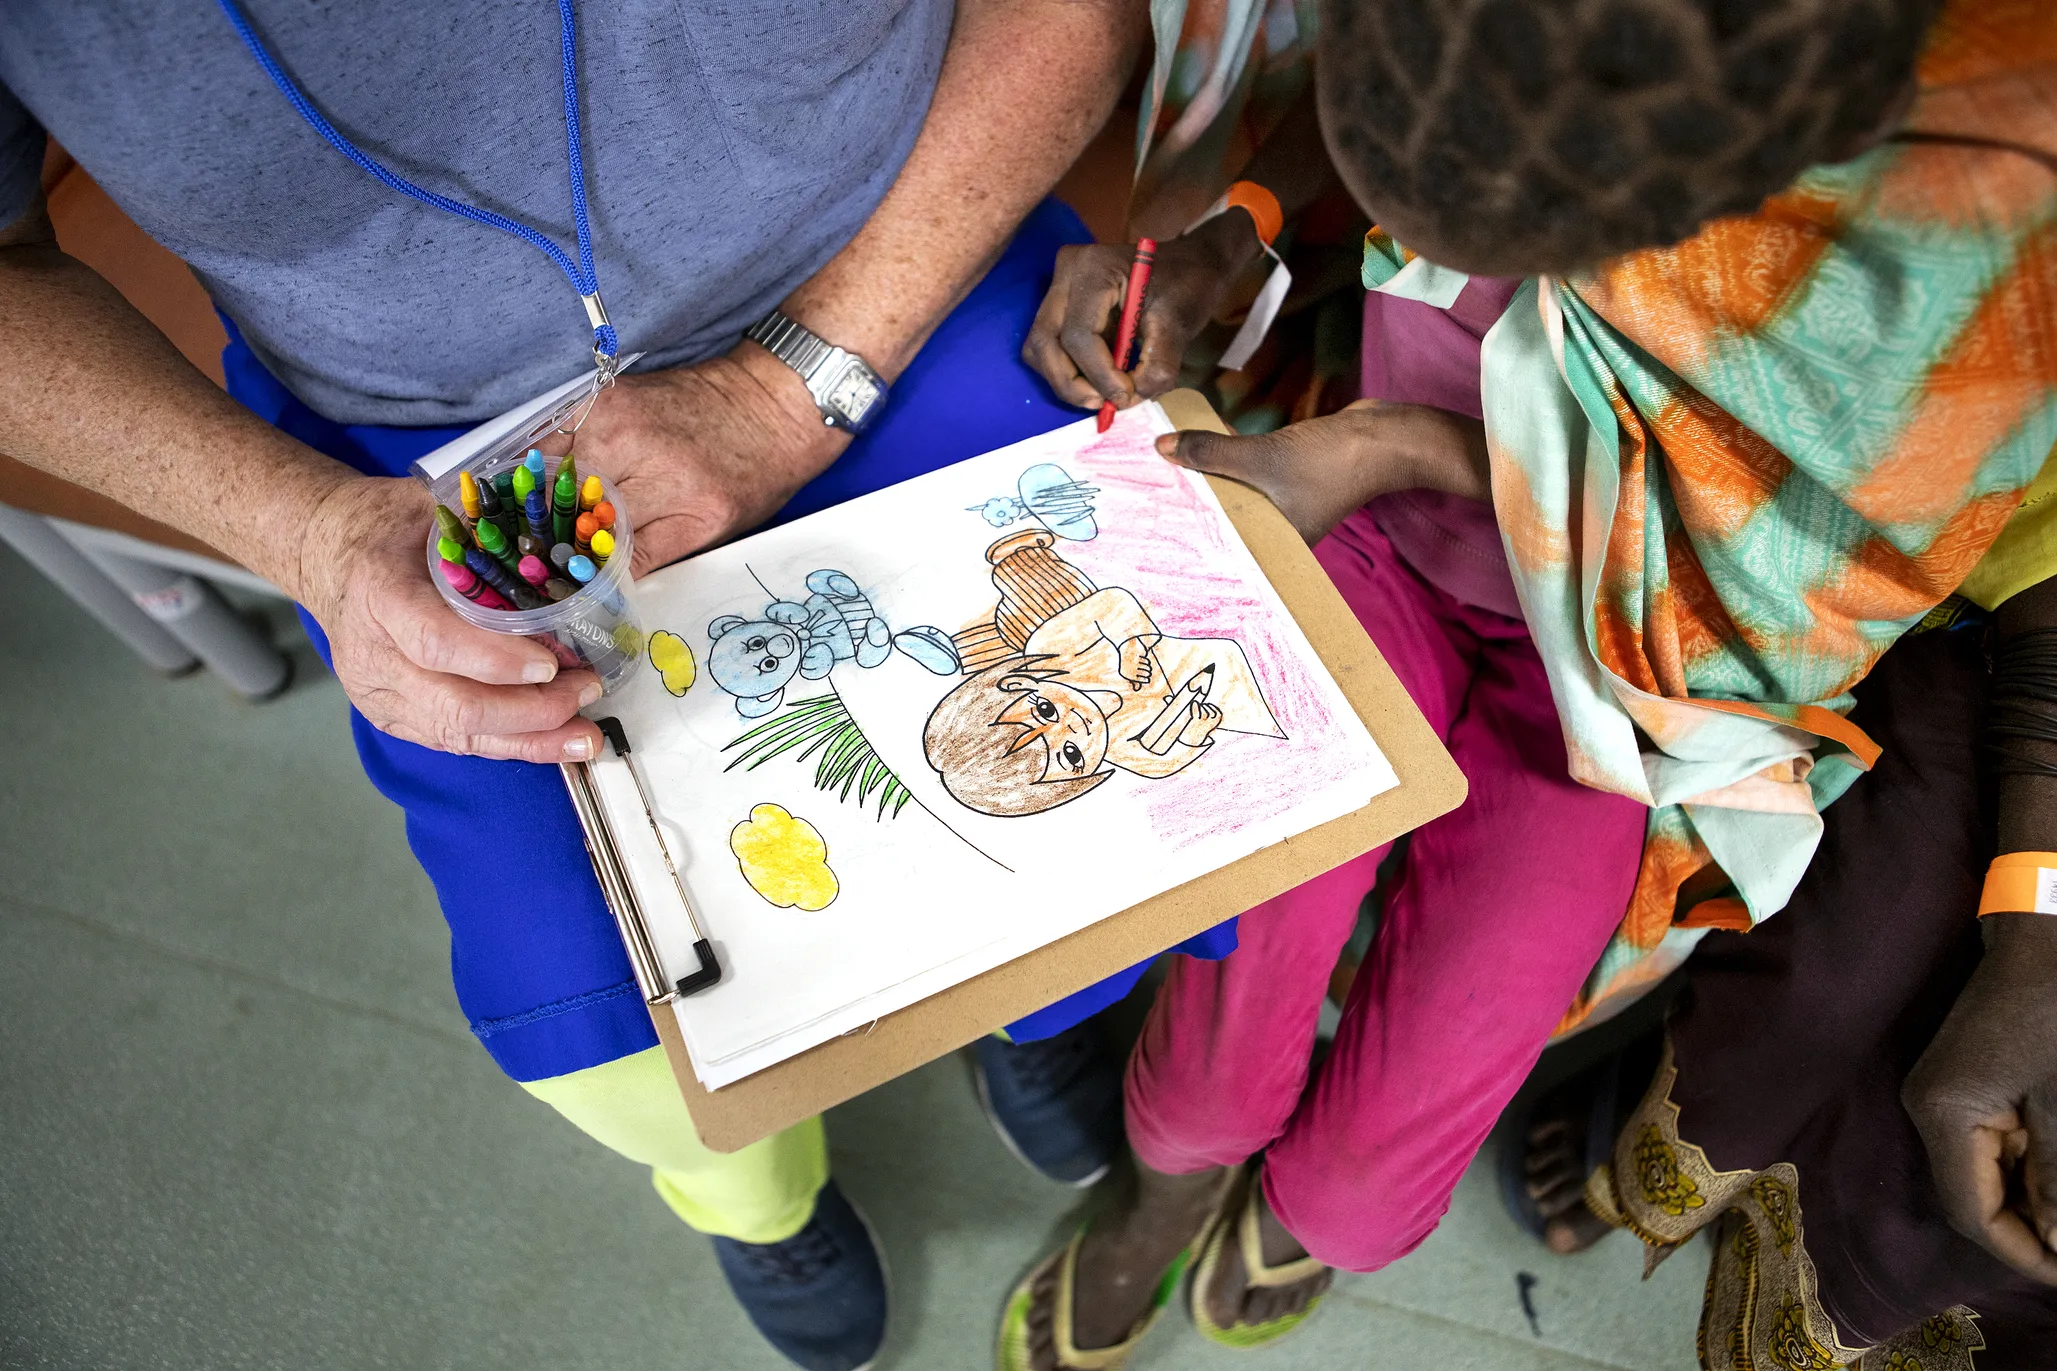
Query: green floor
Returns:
{"type": "Point", "coordinates": [242, 1123]}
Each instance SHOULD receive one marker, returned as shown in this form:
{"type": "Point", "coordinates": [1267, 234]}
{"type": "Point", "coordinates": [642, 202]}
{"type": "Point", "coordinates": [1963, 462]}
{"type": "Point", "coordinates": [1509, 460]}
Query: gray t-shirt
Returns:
{"type": "Point", "coordinates": [731, 148]}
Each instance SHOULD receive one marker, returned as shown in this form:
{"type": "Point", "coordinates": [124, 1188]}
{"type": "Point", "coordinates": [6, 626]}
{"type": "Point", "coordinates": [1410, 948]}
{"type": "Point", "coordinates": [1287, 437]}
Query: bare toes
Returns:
{"type": "Point", "coordinates": [1577, 1229]}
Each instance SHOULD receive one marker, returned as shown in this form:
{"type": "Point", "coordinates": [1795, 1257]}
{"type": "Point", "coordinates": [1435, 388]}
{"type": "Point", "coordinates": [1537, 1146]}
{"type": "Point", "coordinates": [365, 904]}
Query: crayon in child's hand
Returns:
{"type": "Point", "coordinates": [471, 587]}
{"type": "Point", "coordinates": [590, 493]}
{"type": "Point", "coordinates": [603, 546]}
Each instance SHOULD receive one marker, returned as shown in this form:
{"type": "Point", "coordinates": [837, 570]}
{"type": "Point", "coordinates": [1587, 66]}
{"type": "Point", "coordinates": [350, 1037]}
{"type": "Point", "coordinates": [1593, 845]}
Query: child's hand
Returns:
{"type": "Point", "coordinates": [1319, 470]}
{"type": "Point", "coordinates": [1206, 718]}
{"type": "Point", "coordinates": [1136, 668]}
{"type": "Point", "coordinates": [1193, 273]}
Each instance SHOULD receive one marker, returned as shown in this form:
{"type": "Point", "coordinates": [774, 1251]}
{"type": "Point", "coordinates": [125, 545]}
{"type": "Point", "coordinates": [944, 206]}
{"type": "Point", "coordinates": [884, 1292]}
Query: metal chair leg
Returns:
{"type": "Point", "coordinates": [49, 552]}
{"type": "Point", "coordinates": [194, 612]}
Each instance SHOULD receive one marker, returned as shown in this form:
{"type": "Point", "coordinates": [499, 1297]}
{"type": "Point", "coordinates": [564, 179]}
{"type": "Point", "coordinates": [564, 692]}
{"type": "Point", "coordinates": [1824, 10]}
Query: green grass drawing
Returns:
{"type": "Point", "coordinates": [848, 760]}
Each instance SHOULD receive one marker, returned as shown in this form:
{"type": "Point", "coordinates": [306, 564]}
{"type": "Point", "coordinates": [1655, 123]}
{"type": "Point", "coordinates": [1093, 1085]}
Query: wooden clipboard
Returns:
{"type": "Point", "coordinates": [1430, 784]}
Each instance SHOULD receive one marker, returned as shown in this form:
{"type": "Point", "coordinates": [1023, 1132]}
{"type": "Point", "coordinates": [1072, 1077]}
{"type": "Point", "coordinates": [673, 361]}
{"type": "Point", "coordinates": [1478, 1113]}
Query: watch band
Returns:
{"type": "Point", "coordinates": [846, 390]}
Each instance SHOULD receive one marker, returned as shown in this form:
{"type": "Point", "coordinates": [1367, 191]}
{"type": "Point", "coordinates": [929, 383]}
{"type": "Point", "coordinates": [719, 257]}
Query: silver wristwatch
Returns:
{"type": "Point", "coordinates": [845, 389]}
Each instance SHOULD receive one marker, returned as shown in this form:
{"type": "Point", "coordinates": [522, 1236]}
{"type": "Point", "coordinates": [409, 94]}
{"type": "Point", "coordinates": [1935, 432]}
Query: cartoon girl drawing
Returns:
{"type": "Point", "coordinates": [1069, 682]}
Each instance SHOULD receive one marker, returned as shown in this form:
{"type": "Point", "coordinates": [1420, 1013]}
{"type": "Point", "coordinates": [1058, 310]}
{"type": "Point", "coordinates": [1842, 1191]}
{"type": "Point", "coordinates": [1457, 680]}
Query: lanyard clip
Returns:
{"type": "Point", "coordinates": [606, 346]}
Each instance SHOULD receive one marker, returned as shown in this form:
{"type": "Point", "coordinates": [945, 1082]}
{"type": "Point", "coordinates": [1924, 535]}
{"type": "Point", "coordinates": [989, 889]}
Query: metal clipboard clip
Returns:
{"type": "Point", "coordinates": [612, 873]}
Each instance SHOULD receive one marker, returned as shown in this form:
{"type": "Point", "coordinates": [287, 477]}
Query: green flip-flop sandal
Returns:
{"type": "Point", "coordinates": [1013, 1351]}
{"type": "Point", "coordinates": [1243, 1202]}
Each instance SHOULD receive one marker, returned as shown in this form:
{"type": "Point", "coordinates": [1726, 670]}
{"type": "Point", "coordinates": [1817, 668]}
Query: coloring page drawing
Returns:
{"type": "Point", "coordinates": [907, 739]}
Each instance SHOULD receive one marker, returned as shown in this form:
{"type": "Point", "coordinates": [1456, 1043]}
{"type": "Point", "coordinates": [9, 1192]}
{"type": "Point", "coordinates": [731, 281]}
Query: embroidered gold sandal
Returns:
{"type": "Point", "coordinates": [1243, 1202]}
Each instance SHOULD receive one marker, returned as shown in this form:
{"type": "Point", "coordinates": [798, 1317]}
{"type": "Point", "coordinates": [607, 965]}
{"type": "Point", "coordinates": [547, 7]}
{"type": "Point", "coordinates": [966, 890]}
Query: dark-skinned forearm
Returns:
{"type": "Point", "coordinates": [2027, 804]}
{"type": "Point", "coordinates": [1293, 164]}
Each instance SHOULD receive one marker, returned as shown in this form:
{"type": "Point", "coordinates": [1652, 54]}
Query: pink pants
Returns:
{"type": "Point", "coordinates": [1504, 907]}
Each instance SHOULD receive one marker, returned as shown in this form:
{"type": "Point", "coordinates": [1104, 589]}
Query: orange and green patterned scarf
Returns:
{"type": "Point", "coordinates": [1731, 473]}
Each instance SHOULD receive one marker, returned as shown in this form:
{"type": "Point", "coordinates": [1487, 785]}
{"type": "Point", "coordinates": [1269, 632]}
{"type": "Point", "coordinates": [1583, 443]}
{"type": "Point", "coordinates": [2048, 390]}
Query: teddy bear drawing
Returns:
{"type": "Point", "coordinates": [755, 659]}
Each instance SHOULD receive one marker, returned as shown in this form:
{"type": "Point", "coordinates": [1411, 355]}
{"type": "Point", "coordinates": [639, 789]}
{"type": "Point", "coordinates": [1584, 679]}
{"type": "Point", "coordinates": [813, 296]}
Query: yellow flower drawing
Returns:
{"type": "Point", "coordinates": [784, 858]}
{"type": "Point", "coordinates": [673, 660]}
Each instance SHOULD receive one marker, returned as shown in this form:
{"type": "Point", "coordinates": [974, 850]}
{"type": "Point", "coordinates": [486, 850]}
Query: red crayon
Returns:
{"type": "Point", "coordinates": [471, 587]}
{"type": "Point", "coordinates": [1131, 311]}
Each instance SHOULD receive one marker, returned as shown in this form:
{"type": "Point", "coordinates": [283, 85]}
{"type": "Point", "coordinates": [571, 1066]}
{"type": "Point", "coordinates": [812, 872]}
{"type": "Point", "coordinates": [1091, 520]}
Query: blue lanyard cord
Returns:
{"type": "Point", "coordinates": [581, 274]}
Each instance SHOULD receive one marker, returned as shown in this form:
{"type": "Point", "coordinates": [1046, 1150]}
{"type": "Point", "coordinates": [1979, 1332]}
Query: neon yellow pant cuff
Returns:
{"type": "Point", "coordinates": [762, 1194]}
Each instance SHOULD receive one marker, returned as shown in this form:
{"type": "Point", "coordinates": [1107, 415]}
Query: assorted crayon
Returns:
{"type": "Point", "coordinates": [504, 512]}
{"type": "Point", "coordinates": [497, 576]}
{"type": "Point", "coordinates": [452, 526]}
{"type": "Point", "coordinates": [494, 544]}
{"type": "Point", "coordinates": [536, 506]}
{"type": "Point", "coordinates": [525, 537]}
{"type": "Point", "coordinates": [564, 500]}
{"type": "Point", "coordinates": [471, 587]}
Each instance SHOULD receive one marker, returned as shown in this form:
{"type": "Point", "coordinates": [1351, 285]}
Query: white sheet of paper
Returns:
{"type": "Point", "coordinates": [927, 891]}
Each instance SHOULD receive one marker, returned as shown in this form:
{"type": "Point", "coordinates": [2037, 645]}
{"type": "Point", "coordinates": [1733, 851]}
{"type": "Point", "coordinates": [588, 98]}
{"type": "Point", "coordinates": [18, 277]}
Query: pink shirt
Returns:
{"type": "Point", "coordinates": [1418, 354]}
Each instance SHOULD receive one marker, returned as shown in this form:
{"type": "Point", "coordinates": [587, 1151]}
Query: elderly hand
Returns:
{"type": "Point", "coordinates": [1069, 343]}
{"type": "Point", "coordinates": [705, 452]}
{"type": "Point", "coordinates": [1984, 1097]}
{"type": "Point", "coordinates": [413, 668]}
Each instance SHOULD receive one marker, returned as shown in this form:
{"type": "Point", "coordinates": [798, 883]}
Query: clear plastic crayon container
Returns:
{"type": "Point", "coordinates": [595, 626]}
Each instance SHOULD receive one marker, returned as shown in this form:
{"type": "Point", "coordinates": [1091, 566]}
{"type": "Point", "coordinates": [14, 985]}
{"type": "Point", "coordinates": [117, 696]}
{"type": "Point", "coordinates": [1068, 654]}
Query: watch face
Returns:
{"type": "Point", "coordinates": [852, 394]}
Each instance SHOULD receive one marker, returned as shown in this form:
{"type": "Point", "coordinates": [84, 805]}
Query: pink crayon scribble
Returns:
{"type": "Point", "coordinates": [1162, 540]}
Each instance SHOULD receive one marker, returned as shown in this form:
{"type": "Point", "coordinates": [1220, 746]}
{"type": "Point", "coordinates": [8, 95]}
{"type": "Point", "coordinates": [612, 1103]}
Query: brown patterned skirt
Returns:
{"type": "Point", "coordinates": [1775, 1117]}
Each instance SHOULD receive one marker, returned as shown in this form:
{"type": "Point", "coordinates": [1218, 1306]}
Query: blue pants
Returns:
{"type": "Point", "coordinates": [538, 966]}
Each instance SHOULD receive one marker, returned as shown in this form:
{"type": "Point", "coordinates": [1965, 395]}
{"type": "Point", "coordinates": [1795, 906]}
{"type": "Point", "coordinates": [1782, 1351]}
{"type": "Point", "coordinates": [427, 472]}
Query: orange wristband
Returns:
{"type": "Point", "coordinates": [2020, 883]}
{"type": "Point", "coordinates": [1261, 205]}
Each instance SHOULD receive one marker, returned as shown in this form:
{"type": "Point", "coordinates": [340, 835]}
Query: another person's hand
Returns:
{"type": "Point", "coordinates": [1071, 343]}
{"type": "Point", "coordinates": [705, 452]}
{"type": "Point", "coordinates": [1984, 1097]}
{"type": "Point", "coordinates": [1318, 470]}
{"type": "Point", "coordinates": [410, 665]}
